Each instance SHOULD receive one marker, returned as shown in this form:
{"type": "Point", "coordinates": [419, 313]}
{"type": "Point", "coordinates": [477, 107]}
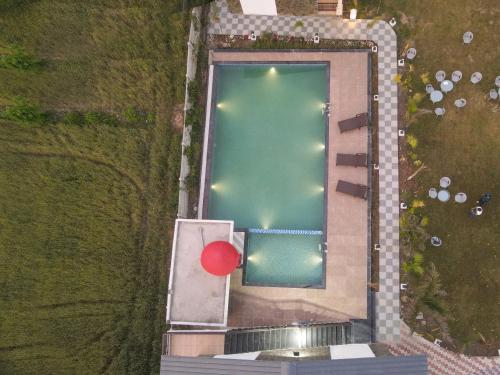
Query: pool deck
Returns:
{"type": "Point", "coordinates": [345, 295]}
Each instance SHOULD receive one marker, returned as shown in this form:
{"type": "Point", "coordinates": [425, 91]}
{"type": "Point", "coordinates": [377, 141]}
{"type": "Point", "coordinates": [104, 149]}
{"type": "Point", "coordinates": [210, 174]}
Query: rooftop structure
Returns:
{"type": "Point", "coordinates": [408, 365]}
{"type": "Point", "coordinates": [196, 297]}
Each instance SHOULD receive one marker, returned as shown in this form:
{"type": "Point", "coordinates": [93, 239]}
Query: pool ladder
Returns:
{"type": "Point", "coordinates": [326, 109]}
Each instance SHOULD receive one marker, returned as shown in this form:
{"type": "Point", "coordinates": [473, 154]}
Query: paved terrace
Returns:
{"type": "Point", "coordinates": [345, 296]}
{"type": "Point", "coordinates": [194, 296]}
{"type": "Point", "coordinates": [223, 22]}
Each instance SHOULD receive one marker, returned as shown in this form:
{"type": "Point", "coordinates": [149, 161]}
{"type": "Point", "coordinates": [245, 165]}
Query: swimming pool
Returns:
{"type": "Point", "coordinates": [267, 166]}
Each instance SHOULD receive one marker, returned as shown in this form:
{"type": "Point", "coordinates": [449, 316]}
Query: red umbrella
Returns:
{"type": "Point", "coordinates": [220, 258]}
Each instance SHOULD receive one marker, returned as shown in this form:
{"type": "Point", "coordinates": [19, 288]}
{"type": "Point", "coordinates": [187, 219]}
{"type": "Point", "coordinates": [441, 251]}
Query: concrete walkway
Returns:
{"type": "Point", "coordinates": [223, 22]}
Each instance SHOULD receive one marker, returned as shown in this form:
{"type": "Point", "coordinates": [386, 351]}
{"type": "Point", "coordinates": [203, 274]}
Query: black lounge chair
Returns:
{"type": "Point", "coordinates": [352, 160]}
{"type": "Point", "coordinates": [357, 122]}
{"type": "Point", "coordinates": [356, 190]}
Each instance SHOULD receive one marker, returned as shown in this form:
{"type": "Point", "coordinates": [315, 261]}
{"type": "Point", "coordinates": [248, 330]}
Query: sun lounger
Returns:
{"type": "Point", "coordinates": [352, 160]}
{"type": "Point", "coordinates": [356, 190]}
{"type": "Point", "coordinates": [357, 122]}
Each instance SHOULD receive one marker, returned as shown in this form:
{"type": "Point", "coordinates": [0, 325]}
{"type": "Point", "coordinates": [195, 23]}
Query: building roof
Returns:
{"type": "Point", "coordinates": [196, 297]}
{"type": "Point", "coordinates": [408, 365]}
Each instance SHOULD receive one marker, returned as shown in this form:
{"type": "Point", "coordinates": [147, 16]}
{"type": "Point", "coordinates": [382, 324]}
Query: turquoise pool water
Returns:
{"type": "Point", "coordinates": [268, 163]}
{"type": "Point", "coordinates": [288, 260]}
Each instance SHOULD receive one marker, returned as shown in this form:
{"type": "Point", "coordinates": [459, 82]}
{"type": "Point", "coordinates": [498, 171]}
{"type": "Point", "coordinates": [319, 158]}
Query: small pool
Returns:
{"type": "Point", "coordinates": [294, 260]}
{"type": "Point", "coordinates": [267, 165]}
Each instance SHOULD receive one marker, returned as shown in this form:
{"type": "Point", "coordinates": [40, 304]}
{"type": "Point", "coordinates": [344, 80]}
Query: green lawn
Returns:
{"type": "Point", "coordinates": [86, 211]}
{"type": "Point", "coordinates": [464, 145]}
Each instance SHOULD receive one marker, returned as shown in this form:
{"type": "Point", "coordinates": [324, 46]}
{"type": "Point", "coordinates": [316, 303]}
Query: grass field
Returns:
{"type": "Point", "coordinates": [86, 211]}
{"type": "Point", "coordinates": [464, 145]}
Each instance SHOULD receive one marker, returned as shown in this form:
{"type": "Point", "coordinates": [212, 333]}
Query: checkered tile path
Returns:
{"type": "Point", "coordinates": [442, 361]}
{"type": "Point", "coordinates": [223, 22]}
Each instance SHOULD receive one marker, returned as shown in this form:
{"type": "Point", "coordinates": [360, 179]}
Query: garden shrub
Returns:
{"type": "Point", "coordinates": [424, 77]}
{"type": "Point", "coordinates": [430, 291]}
{"type": "Point", "coordinates": [414, 266]}
{"type": "Point", "coordinates": [417, 203]}
{"type": "Point", "coordinates": [412, 141]}
{"type": "Point", "coordinates": [414, 101]}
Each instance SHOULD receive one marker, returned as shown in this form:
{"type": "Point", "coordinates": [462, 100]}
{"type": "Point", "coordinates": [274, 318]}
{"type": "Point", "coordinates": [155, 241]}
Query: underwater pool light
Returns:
{"type": "Point", "coordinates": [316, 259]}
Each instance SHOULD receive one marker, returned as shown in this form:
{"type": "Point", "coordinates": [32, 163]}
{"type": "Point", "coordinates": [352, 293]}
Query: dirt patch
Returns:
{"type": "Point", "coordinates": [178, 117]}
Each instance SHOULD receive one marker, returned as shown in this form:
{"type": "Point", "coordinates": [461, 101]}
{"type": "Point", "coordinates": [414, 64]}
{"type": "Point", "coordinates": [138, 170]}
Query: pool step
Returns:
{"type": "Point", "coordinates": [311, 336]}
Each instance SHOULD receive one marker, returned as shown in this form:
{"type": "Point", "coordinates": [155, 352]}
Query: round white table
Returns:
{"type": "Point", "coordinates": [444, 195]}
{"type": "Point", "coordinates": [436, 96]}
{"type": "Point", "coordinates": [446, 86]}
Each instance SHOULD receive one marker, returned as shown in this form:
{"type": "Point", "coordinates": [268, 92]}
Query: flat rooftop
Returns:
{"type": "Point", "coordinates": [196, 297]}
{"type": "Point", "coordinates": [345, 295]}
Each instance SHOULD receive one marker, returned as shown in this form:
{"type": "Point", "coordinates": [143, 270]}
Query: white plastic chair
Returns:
{"type": "Point", "coordinates": [411, 53]}
{"type": "Point", "coordinates": [460, 197]}
{"type": "Point", "coordinates": [456, 76]}
{"type": "Point", "coordinates": [497, 81]}
{"type": "Point", "coordinates": [439, 111]}
{"type": "Point", "coordinates": [433, 193]}
{"type": "Point", "coordinates": [493, 94]}
{"type": "Point", "coordinates": [460, 103]}
{"type": "Point", "coordinates": [429, 88]}
{"type": "Point", "coordinates": [440, 75]}
{"type": "Point", "coordinates": [444, 182]}
{"type": "Point", "coordinates": [468, 36]}
{"type": "Point", "coordinates": [476, 77]}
